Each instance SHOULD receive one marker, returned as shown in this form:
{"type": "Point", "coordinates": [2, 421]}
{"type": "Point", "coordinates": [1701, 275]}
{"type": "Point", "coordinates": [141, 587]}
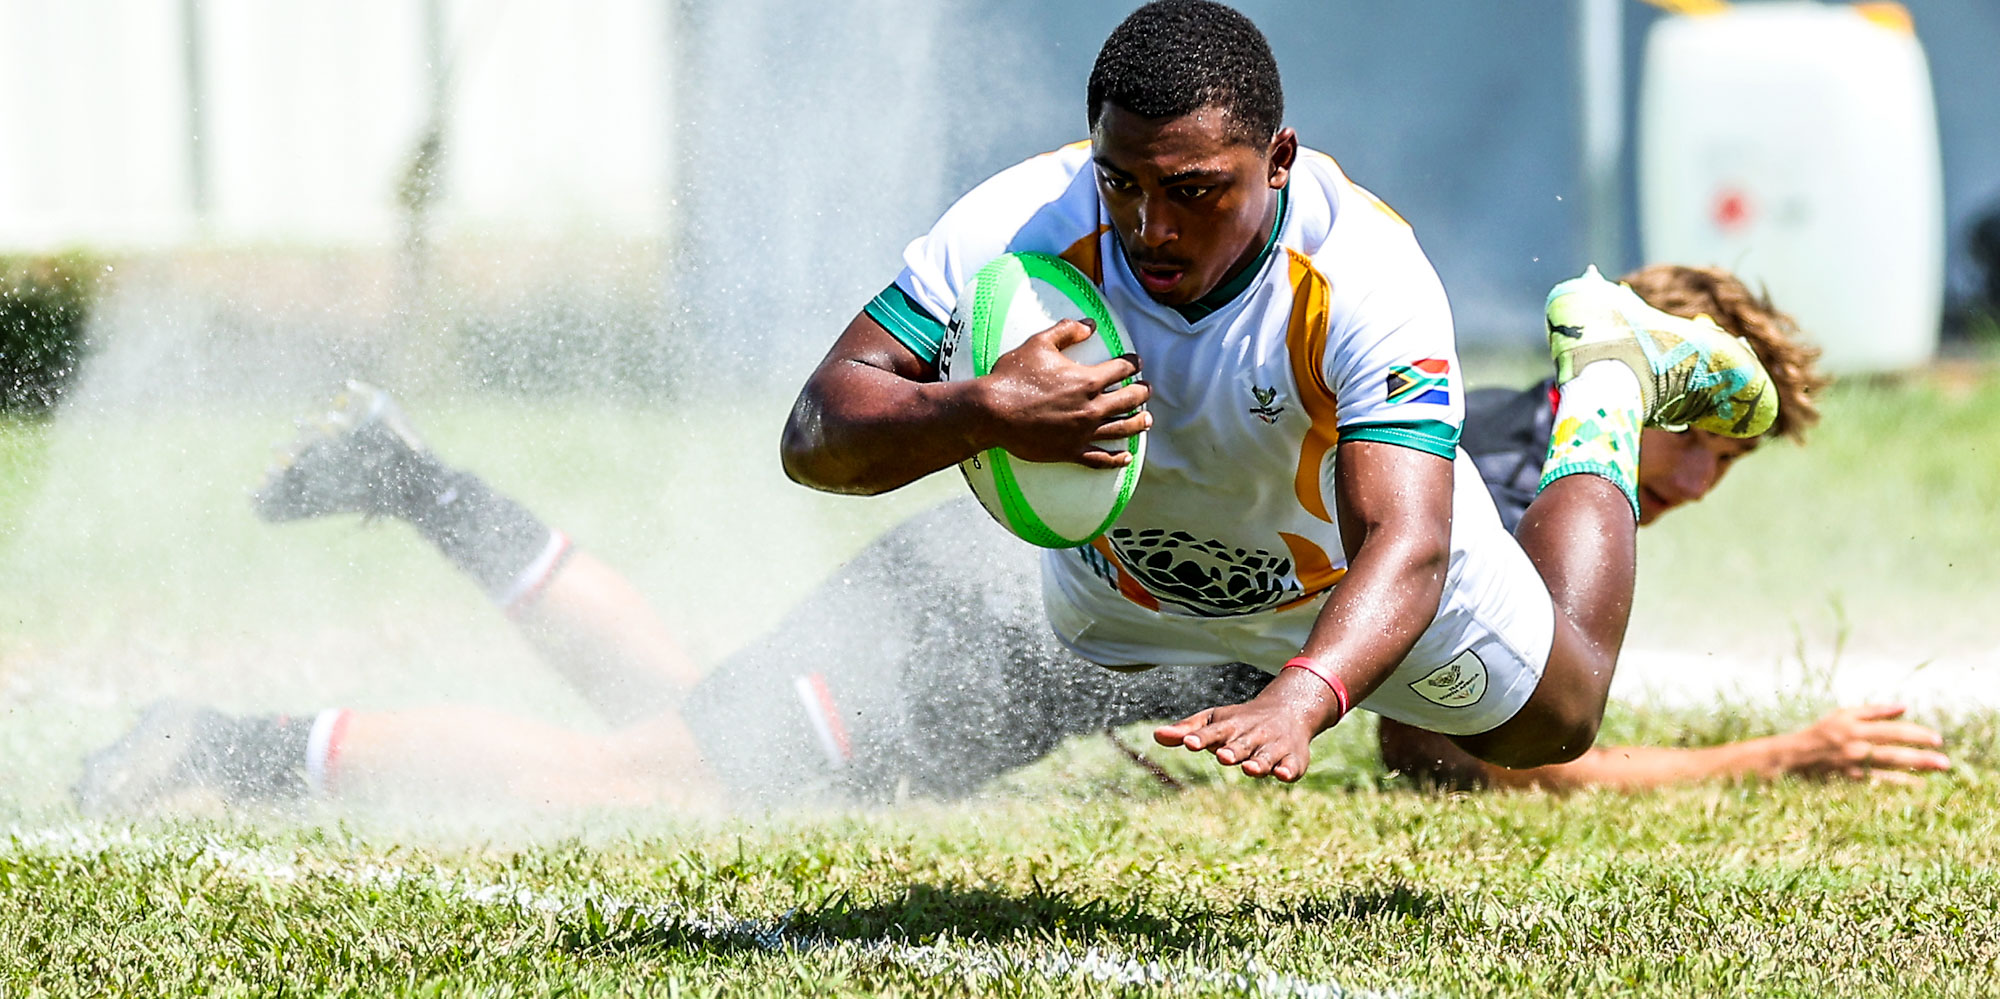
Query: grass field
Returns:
{"type": "Point", "coordinates": [1331, 889]}
{"type": "Point", "coordinates": [131, 569]}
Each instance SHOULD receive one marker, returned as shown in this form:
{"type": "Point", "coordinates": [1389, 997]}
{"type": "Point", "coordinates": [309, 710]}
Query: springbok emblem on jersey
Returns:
{"type": "Point", "coordinates": [1264, 410]}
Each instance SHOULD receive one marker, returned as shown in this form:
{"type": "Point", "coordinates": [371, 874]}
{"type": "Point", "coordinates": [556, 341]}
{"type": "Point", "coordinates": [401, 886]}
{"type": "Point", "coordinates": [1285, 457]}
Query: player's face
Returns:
{"type": "Point", "coordinates": [1680, 468]}
{"type": "Point", "coordinates": [1192, 203]}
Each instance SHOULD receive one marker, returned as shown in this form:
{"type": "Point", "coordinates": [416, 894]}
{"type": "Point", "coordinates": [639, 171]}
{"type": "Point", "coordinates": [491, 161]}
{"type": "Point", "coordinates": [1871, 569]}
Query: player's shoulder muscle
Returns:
{"type": "Point", "coordinates": [1046, 203]}
{"type": "Point", "coordinates": [1341, 219]}
{"type": "Point", "coordinates": [1033, 205]}
{"type": "Point", "coordinates": [1364, 247]}
{"type": "Point", "coordinates": [1390, 355]}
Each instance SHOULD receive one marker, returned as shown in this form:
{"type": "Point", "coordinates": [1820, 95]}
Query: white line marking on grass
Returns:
{"type": "Point", "coordinates": [714, 927]}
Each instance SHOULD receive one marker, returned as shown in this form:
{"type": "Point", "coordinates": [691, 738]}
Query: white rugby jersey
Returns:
{"type": "Point", "coordinates": [1339, 330]}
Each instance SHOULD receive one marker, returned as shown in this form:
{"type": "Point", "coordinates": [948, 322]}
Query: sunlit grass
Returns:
{"type": "Point", "coordinates": [131, 567]}
{"type": "Point", "coordinates": [1758, 888]}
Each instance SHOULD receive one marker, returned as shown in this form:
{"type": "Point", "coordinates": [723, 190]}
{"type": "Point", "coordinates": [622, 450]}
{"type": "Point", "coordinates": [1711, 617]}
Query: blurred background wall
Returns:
{"type": "Point", "coordinates": [758, 164]}
{"type": "Point", "coordinates": [142, 123]}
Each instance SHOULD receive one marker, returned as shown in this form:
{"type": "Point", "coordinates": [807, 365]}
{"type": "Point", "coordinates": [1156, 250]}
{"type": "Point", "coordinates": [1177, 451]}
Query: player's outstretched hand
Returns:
{"type": "Point", "coordinates": [1050, 408]}
{"type": "Point", "coordinates": [1268, 736]}
{"type": "Point", "coordinates": [1865, 743]}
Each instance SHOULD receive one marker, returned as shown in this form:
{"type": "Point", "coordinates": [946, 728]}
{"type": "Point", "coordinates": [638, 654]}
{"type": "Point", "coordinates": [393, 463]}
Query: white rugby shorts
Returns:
{"type": "Point", "coordinates": [1472, 669]}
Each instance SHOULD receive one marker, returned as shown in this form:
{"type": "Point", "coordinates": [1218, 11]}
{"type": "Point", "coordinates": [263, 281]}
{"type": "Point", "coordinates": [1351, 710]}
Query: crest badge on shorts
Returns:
{"type": "Point", "coordinates": [1457, 684]}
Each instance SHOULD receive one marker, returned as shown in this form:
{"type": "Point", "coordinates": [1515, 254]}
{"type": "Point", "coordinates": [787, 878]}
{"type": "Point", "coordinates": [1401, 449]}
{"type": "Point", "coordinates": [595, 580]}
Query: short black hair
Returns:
{"type": "Point", "coordinates": [1175, 57]}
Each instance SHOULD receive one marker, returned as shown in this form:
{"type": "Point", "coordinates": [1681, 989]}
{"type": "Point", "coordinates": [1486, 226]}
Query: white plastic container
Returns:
{"type": "Point", "coordinates": [1796, 144]}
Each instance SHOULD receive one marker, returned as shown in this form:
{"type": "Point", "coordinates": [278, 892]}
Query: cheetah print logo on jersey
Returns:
{"type": "Point", "coordinates": [1207, 577]}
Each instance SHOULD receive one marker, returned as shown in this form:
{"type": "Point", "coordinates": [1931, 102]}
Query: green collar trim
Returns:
{"type": "Point", "coordinates": [1213, 302]}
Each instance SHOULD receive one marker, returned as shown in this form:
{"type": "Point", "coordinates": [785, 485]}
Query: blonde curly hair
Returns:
{"type": "Point", "coordinates": [1775, 336]}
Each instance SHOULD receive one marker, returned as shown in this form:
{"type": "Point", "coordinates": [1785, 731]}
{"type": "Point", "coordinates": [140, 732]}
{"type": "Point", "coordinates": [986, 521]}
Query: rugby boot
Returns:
{"type": "Point", "coordinates": [360, 456]}
{"type": "Point", "coordinates": [177, 749]}
{"type": "Point", "coordinates": [1691, 373]}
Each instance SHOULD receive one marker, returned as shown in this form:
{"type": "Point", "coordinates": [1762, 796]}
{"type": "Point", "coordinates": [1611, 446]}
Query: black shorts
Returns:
{"type": "Point", "coordinates": [922, 668]}
{"type": "Point", "coordinates": [1507, 435]}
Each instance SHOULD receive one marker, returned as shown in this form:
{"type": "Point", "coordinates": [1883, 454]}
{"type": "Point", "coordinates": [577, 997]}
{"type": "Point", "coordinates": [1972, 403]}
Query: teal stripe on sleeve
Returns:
{"type": "Point", "coordinates": [1430, 436]}
{"type": "Point", "coordinates": [907, 322]}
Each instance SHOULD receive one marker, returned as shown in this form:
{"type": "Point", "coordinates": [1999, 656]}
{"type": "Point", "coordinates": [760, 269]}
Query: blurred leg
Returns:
{"type": "Point", "coordinates": [364, 456]}
{"type": "Point", "coordinates": [583, 618]}
{"type": "Point", "coordinates": [480, 754]}
{"type": "Point", "coordinates": [440, 752]}
{"type": "Point", "coordinates": [592, 626]}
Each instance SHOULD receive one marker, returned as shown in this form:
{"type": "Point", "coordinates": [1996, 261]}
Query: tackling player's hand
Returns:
{"type": "Point", "coordinates": [1047, 407]}
{"type": "Point", "coordinates": [1865, 743]}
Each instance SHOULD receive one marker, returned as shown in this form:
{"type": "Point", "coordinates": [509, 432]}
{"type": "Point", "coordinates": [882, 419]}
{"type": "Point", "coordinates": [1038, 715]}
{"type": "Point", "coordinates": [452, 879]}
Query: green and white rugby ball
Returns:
{"type": "Point", "coordinates": [1051, 504]}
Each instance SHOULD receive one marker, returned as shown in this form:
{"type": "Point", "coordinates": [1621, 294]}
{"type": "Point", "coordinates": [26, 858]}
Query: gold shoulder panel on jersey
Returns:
{"type": "Point", "coordinates": [1305, 341]}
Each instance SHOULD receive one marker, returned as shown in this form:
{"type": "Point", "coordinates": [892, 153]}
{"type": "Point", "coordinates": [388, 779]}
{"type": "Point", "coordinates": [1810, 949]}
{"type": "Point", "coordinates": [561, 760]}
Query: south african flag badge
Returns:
{"type": "Point", "coordinates": [1426, 381]}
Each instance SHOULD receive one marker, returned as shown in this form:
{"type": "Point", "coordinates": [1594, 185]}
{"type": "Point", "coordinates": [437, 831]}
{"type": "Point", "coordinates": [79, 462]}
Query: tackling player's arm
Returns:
{"type": "Point", "coordinates": [873, 416]}
{"type": "Point", "coordinates": [1864, 743]}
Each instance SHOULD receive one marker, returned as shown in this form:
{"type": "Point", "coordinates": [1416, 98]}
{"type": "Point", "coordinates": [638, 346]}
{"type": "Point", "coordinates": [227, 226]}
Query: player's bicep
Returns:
{"type": "Point", "coordinates": [1393, 492]}
{"type": "Point", "coordinates": [868, 343]}
{"type": "Point", "coordinates": [865, 381]}
{"type": "Point", "coordinates": [866, 371]}
{"type": "Point", "coordinates": [1395, 371]}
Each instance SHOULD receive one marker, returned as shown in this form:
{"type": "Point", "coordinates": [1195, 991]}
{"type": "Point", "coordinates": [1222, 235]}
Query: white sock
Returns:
{"type": "Point", "coordinates": [323, 747]}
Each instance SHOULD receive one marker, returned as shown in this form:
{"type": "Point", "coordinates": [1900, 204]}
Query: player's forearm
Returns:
{"type": "Point", "coordinates": [859, 429]}
{"type": "Point", "coordinates": [1431, 757]}
{"type": "Point", "coordinates": [1389, 595]}
{"type": "Point", "coordinates": [1394, 506]}
{"type": "Point", "coordinates": [1639, 768]}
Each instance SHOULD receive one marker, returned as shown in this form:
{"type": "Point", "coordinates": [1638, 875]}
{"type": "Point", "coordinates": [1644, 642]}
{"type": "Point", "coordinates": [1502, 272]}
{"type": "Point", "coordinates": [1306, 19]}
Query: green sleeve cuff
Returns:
{"type": "Point", "coordinates": [1429, 436]}
{"type": "Point", "coordinates": [907, 322]}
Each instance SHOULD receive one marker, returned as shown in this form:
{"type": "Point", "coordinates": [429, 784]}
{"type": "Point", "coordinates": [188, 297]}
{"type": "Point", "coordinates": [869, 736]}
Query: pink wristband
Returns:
{"type": "Point", "coordinates": [1332, 682]}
